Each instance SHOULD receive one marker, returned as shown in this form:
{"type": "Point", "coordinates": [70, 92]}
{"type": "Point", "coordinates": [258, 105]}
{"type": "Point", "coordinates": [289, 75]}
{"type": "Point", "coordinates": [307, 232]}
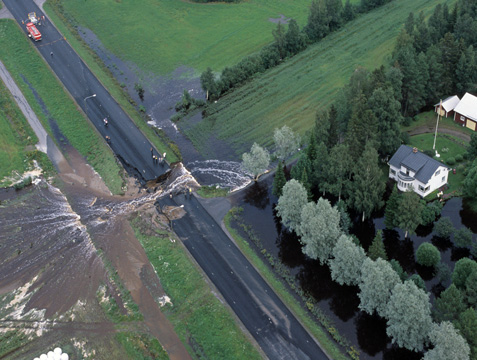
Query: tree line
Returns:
{"type": "Point", "coordinates": [325, 16]}
{"type": "Point", "coordinates": [431, 59]}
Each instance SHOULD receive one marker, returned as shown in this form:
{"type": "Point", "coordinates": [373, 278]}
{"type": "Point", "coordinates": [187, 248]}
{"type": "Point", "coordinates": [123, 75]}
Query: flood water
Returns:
{"type": "Point", "coordinates": [221, 168]}
{"type": "Point", "coordinates": [340, 303]}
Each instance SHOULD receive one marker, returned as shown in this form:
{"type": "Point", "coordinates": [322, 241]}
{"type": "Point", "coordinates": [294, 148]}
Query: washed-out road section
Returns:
{"type": "Point", "coordinates": [127, 141]}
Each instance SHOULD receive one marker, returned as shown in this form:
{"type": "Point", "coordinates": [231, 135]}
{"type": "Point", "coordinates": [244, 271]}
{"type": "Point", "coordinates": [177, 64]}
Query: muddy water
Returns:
{"type": "Point", "coordinates": [219, 166]}
{"type": "Point", "coordinates": [367, 333]}
{"type": "Point", "coordinates": [51, 237]}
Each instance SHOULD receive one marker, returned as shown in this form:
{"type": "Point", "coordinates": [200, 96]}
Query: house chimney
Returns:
{"type": "Point", "coordinates": [414, 150]}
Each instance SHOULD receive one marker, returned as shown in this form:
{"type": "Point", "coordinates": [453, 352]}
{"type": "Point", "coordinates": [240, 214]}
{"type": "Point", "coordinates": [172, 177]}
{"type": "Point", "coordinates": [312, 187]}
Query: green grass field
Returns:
{"type": "Point", "coordinates": [159, 36]}
{"type": "Point", "coordinates": [201, 321]}
{"type": "Point", "coordinates": [15, 135]}
{"type": "Point", "coordinates": [292, 92]}
{"type": "Point", "coordinates": [23, 62]}
{"type": "Point", "coordinates": [446, 145]}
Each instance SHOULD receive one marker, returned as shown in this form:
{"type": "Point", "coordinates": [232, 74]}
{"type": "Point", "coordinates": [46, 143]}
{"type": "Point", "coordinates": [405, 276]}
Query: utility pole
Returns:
{"type": "Point", "coordinates": [437, 124]}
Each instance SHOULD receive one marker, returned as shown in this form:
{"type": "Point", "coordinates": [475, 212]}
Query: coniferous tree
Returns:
{"type": "Point", "coordinates": [386, 110]}
{"type": "Point", "coordinates": [333, 131]}
{"type": "Point", "coordinates": [280, 40]}
{"type": "Point", "coordinates": [362, 128]}
{"type": "Point", "coordinates": [349, 11]}
{"type": "Point", "coordinates": [367, 187]}
{"type": "Point", "coordinates": [320, 167]}
{"type": "Point", "coordinates": [279, 180]}
{"type": "Point", "coordinates": [294, 39]}
{"type": "Point", "coordinates": [392, 206]}
{"type": "Point", "coordinates": [467, 326]}
{"type": "Point", "coordinates": [408, 215]}
{"type": "Point", "coordinates": [338, 171]}
{"type": "Point", "coordinates": [317, 26]}
{"type": "Point", "coordinates": [449, 305]}
{"type": "Point", "coordinates": [377, 250]}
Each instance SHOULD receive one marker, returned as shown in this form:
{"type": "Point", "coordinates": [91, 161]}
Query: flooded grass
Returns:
{"type": "Point", "coordinates": [212, 191]}
{"type": "Point", "coordinates": [23, 62]}
{"type": "Point", "coordinates": [199, 318]}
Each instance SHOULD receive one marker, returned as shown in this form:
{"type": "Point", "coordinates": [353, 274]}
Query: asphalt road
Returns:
{"type": "Point", "coordinates": [127, 141]}
{"type": "Point", "coordinates": [273, 326]}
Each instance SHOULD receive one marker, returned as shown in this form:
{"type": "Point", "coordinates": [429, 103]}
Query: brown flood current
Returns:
{"type": "Point", "coordinates": [51, 238]}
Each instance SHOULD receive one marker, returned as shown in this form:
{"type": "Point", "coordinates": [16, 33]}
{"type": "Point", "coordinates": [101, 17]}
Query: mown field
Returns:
{"type": "Point", "coordinates": [159, 36]}
{"type": "Point", "coordinates": [292, 92]}
{"type": "Point", "coordinates": [31, 72]}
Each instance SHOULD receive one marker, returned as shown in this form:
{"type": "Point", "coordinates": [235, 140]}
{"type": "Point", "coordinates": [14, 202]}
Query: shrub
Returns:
{"type": "Point", "coordinates": [443, 228]}
{"type": "Point", "coordinates": [459, 158]}
{"type": "Point", "coordinates": [405, 138]}
{"type": "Point", "coordinates": [463, 237]}
{"type": "Point", "coordinates": [407, 121]}
{"type": "Point", "coordinates": [450, 161]}
{"type": "Point", "coordinates": [429, 153]}
{"type": "Point", "coordinates": [428, 255]}
{"type": "Point", "coordinates": [460, 168]}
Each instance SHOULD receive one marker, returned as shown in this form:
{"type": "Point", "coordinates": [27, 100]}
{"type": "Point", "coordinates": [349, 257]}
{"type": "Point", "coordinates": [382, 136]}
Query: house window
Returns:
{"type": "Point", "coordinates": [438, 172]}
{"type": "Point", "coordinates": [393, 172]}
{"type": "Point", "coordinates": [421, 188]}
{"type": "Point", "coordinates": [462, 118]}
{"type": "Point", "coordinates": [443, 178]}
{"type": "Point", "coordinates": [427, 188]}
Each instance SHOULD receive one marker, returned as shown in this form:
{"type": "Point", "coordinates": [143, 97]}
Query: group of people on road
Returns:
{"type": "Point", "coordinates": [157, 159]}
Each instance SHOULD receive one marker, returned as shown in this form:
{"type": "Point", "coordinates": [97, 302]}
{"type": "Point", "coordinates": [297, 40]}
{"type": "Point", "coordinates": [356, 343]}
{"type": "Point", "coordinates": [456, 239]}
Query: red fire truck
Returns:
{"type": "Point", "coordinates": [33, 31]}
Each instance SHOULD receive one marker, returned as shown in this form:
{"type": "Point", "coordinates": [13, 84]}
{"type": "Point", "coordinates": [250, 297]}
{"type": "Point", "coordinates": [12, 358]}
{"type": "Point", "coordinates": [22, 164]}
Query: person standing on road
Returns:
{"type": "Point", "coordinates": [51, 53]}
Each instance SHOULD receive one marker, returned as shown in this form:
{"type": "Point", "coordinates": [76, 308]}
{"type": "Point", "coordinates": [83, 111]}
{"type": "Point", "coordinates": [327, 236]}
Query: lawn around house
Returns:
{"type": "Point", "coordinates": [26, 65]}
{"type": "Point", "coordinates": [291, 93]}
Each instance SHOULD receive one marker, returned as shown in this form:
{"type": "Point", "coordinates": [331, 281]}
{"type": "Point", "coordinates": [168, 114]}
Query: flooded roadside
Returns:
{"type": "Point", "coordinates": [220, 167]}
{"type": "Point", "coordinates": [340, 303]}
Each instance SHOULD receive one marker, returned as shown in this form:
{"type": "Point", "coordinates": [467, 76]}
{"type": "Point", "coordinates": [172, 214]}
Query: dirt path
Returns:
{"type": "Point", "coordinates": [425, 129]}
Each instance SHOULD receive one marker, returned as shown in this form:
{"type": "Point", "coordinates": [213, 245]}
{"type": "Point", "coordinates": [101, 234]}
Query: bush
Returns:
{"type": "Point", "coordinates": [429, 153]}
{"type": "Point", "coordinates": [459, 158]}
{"type": "Point", "coordinates": [428, 255]}
{"type": "Point", "coordinates": [443, 228]}
{"type": "Point", "coordinates": [463, 237]}
{"type": "Point", "coordinates": [450, 161]}
{"type": "Point", "coordinates": [462, 269]}
{"type": "Point", "coordinates": [405, 138]}
{"type": "Point", "coordinates": [407, 121]}
{"type": "Point", "coordinates": [430, 212]}
{"type": "Point", "coordinates": [460, 168]}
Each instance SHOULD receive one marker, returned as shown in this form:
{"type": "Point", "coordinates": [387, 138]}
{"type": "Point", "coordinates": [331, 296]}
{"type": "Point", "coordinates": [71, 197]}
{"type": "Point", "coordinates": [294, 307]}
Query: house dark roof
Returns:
{"type": "Point", "coordinates": [422, 165]}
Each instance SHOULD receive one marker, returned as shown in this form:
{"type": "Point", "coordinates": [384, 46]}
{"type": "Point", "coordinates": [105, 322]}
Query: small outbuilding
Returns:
{"type": "Point", "coordinates": [448, 106]}
{"type": "Point", "coordinates": [414, 170]}
{"type": "Point", "coordinates": [465, 113]}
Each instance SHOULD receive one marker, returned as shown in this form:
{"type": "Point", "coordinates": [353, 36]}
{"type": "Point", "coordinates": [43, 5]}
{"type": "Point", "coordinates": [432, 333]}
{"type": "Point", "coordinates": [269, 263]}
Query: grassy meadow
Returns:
{"type": "Point", "coordinates": [292, 92]}
{"type": "Point", "coordinates": [15, 136]}
{"type": "Point", "coordinates": [24, 62]}
{"type": "Point", "coordinates": [159, 36]}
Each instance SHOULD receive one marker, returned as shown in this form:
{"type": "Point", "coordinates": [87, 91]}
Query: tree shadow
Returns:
{"type": "Point", "coordinates": [441, 243]}
{"type": "Point", "coordinates": [289, 249]}
{"type": "Point", "coordinates": [371, 332]}
{"type": "Point", "coordinates": [397, 353]}
{"type": "Point", "coordinates": [458, 253]}
{"type": "Point", "coordinates": [257, 195]}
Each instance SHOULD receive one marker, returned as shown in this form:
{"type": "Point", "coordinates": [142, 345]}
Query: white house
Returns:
{"type": "Point", "coordinates": [414, 170]}
{"type": "Point", "coordinates": [448, 106]}
{"type": "Point", "coordinates": [465, 113]}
